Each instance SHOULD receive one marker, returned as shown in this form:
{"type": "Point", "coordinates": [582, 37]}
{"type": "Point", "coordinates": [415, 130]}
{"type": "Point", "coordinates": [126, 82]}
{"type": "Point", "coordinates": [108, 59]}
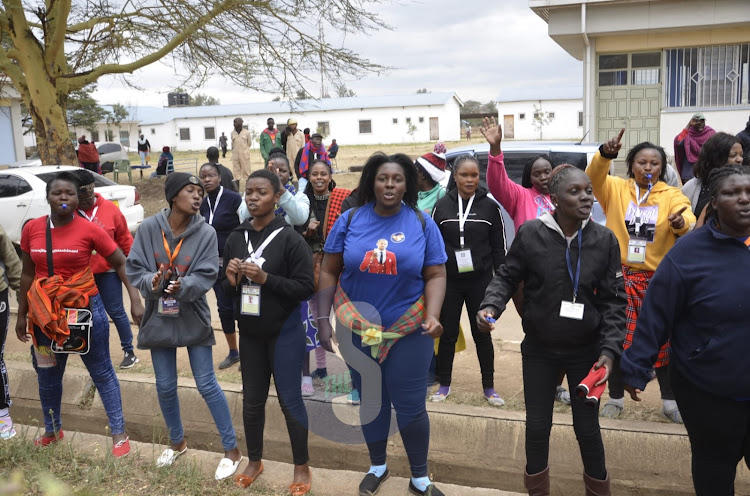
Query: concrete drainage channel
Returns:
{"type": "Point", "coordinates": [472, 446]}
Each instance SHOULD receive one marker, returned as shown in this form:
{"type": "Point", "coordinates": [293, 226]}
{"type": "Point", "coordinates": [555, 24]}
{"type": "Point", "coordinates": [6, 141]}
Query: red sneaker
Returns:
{"type": "Point", "coordinates": [46, 441]}
{"type": "Point", "coordinates": [122, 448]}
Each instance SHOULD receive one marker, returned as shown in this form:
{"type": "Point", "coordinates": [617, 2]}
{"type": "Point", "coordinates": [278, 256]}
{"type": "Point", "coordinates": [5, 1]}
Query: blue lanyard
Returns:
{"type": "Point", "coordinates": [577, 277]}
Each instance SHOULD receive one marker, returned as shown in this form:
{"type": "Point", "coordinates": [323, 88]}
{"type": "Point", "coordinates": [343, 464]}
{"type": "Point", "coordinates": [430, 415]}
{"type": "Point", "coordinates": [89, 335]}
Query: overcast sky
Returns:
{"type": "Point", "coordinates": [476, 48]}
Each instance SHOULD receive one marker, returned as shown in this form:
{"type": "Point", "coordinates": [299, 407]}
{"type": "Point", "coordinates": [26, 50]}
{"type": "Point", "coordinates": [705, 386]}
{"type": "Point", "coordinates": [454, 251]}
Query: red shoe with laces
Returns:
{"type": "Point", "coordinates": [46, 441]}
{"type": "Point", "coordinates": [122, 448]}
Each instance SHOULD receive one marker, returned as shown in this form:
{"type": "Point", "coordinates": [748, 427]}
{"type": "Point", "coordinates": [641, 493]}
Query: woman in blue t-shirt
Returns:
{"type": "Point", "coordinates": [388, 258]}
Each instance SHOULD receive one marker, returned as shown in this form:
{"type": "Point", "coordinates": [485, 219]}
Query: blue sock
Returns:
{"type": "Point", "coordinates": [234, 353]}
{"type": "Point", "coordinates": [378, 470]}
{"type": "Point", "coordinates": [421, 483]}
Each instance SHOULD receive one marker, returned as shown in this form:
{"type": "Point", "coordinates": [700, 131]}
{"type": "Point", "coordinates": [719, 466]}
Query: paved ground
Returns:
{"type": "Point", "coordinates": [466, 385]}
{"type": "Point", "coordinates": [276, 475]}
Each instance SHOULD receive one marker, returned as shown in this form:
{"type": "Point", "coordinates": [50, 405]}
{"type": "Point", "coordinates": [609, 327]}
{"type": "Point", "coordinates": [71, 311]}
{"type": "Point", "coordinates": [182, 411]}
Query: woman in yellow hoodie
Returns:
{"type": "Point", "coordinates": [647, 216]}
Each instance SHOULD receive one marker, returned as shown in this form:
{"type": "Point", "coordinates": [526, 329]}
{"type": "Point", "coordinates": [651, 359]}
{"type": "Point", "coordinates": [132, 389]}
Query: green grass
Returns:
{"type": "Point", "coordinates": [61, 470]}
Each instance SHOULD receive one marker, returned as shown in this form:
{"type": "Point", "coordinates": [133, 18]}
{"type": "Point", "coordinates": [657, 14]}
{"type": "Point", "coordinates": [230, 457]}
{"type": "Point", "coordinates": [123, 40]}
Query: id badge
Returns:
{"type": "Point", "coordinates": [463, 260]}
{"type": "Point", "coordinates": [250, 301]}
{"type": "Point", "coordinates": [637, 251]}
{"type": "Point", "coordinates": [168, 306]}
{"type": "Point", "coordinates": [570, 310]}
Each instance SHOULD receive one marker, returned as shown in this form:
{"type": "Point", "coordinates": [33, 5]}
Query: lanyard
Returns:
{"type": "Point", "coordinates": [171, 256]}
{"type": "Point", "coordinates": [212, 210]}
{"type": "Point", "coordinates": [93, 214]}
{"type": "Point", "coordinates": [637, 218]}
{"type": "Point", "coordinates": [256, 254]}
{"type": "Point", "coordinates": [577, 277]}
{"type": "Point", "coordinates": [462, 217]}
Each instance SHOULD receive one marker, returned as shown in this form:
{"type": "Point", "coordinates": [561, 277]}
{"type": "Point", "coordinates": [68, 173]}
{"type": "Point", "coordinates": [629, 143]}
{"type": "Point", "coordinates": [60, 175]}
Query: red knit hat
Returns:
{"type": "Point", "coordinates": [434, 164]}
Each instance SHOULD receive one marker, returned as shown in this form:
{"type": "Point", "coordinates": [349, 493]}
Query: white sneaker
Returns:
{"type": "Point", "coordinates": [307, 389]}
{"type": "Point", "coordinates": [562, 395]}
{"type": "Point", "coordinates": [6, 428]}
{"type": "Point", "coordinates": [226, 468]}
{"type": "Point", "coordinates": [168, 457]}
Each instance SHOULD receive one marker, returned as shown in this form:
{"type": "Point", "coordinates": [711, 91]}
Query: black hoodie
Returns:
{"type": "Point", "coordinates": [288, 262]}
{"type": "Point", "coordinates": [484, 233]}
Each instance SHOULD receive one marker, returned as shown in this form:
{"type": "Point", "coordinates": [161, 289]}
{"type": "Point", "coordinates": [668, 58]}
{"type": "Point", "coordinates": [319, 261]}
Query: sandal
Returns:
{"type": "Point", "coordinates": [244, 481]}
{"type": "Point", "coordinates": [300, 488]}
{"type": "Point", "coordinates": [168, 457]}
{"type": "Point", "coordinates": [227, 468]}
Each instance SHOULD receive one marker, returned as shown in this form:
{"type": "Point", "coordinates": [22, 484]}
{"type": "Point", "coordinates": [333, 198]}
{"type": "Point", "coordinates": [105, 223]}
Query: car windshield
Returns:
{"type": "Point", "coordinates": [99, 181]}
{"type": "Point", "coordinates": [109, 148]}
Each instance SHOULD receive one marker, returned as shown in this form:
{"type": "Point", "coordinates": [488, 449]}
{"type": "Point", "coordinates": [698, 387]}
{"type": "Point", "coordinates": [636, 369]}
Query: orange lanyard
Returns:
{"type": "Point", "coordinates": [171, 256]}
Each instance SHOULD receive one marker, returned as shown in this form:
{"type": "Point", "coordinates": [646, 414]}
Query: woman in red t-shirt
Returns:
{"type": "Point", "coordinates": [73, 240]}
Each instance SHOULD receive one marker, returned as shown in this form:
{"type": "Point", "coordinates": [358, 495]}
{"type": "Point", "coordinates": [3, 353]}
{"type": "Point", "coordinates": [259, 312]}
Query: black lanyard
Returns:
{"type": "Point", "coordinates": [577, 277]}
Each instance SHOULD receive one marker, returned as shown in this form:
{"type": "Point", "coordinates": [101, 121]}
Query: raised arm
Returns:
{"type": "Point", "coordinates": [501, 186]}
{"type": "Point", "coordinates": [598, 169]}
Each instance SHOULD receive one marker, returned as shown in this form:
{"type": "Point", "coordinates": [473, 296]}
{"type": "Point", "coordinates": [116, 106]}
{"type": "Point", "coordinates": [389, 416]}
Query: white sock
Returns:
{"type": "Point", "coordinates": [669, 405]}
{"type": "Point", "coordinates": [4, 412]}
{"type": "Point", "coordinates": [377, 470]}
{"type": "Point", "coordinates": [421, 483]}
{"type": "Point", "coordinates": [619, 402]}
{"type": "Point", "coordinates": [307, 380]}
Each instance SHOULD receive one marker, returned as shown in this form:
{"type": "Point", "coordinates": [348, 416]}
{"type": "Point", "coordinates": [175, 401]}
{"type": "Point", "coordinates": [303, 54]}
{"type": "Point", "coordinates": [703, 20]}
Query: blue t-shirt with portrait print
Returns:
{"type": "Point", "coordinates": [384, 258]}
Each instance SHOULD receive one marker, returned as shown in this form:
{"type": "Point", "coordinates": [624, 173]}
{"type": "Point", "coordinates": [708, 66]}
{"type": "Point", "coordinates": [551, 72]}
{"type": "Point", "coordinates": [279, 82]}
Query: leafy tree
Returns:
{"type": "Point", "coordinates": [303, 95]}
{"type": "Point", "coordinates": [342, 91]}
{"type": "Point", "coordinates": [276, 99]}
{"type": "Point", "coordinates": [50, 49]}
{"type": "Point", "coordinates": [541, 119]}
{"type": "Point", "coordinates": [83, 109]}
{"type": "Point", "coordinates": [411, 129]}
{"type": "Point", "coordinates": [199, 99]}
{"type": "Point", "coordinates": [114, 118]}
{"type": "Point", "coordinates": [422, 90]}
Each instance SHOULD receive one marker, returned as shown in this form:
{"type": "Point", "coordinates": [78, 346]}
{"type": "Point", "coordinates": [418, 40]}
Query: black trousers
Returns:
{"type": "Point", "coordinates": [718, 429]}
{"type": "Point", "coordinates": [617, 388]}
{"type": "Point", "coordinates": [541, 371]}
{"type": "Point", "coordinates": [457, 292]}
{"type": "Point", "coordinates": [280, 355]}
{"type": "Point", "coordinates": [4, 322]}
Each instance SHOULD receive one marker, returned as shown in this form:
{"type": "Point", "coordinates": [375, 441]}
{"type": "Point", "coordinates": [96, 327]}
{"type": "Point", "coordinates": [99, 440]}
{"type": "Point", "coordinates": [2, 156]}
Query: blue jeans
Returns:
{"type": "Point", "coordinates": [202, 365]}
{"type": "Point", "coordinates": [403, 383]}
{"type": "Point", "coordinates": [100, 369]}
{"type": "Point", "coordinates": [110, 289]}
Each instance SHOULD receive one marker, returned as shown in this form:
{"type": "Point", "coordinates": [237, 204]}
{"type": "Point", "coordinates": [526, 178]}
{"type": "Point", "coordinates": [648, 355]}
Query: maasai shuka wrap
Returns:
{"type": "Point", "coordinates": [636, 284]}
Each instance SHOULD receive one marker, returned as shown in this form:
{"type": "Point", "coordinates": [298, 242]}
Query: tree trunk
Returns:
{"type": "Point", "coordinates": [52, 135]}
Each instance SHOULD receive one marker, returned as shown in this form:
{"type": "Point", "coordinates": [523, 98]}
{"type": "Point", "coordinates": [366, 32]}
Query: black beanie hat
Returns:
{"type": "Point", "coordinates": [178, 180]}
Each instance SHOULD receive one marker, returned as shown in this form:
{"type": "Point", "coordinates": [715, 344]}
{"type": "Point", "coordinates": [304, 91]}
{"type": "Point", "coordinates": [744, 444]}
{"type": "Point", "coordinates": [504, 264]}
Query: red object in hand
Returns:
{"type": "Point", "coordinates": [590, 393]}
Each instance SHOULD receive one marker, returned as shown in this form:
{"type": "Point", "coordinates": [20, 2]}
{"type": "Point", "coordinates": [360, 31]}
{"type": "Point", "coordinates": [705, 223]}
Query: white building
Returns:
{"type": "Point", "coordinates": [649, 65]}
{"type": "Point", "coordinates": [351, 121]}
{"type": "Point", "coordinates": [541, 114]}
{"type": "Point", "coordinates": [11, 127]}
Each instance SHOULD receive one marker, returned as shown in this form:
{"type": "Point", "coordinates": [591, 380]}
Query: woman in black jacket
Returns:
{"type": "Point", "coordinates": [269, 265]}
{"type": "Point", "coordinates": [474, 238]}
{"type": "Point", "coordinates": [573, 318]}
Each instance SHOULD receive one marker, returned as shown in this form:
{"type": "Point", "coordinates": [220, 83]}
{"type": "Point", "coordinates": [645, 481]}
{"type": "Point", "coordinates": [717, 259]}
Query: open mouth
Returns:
{"type": "Point", "coordinates": [389, 196]}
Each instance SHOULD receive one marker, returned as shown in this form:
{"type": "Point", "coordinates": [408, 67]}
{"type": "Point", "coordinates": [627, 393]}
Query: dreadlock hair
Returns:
{"type": "Point", "coordinates": [716, 179]}
{"type": "Point", "coordinates": [558, 175]}
{"type": "Point", "coordinates": [714, 154]}
{"type": "Point", "coordinates": [645, 146]}
{"type": "Point", "coordinates": [370, 170]}
{"type": "Point", "coordinates": [308, 188]}
{"type": "Point", "coordinates": [526, 177]}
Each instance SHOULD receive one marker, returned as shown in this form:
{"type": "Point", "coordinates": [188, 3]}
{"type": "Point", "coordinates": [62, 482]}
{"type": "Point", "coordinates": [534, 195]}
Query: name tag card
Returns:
{"type": "Point", "coordinates": [637, 251]}
{"type": "Point", "coordinates": [463, 260]}
{"type": "Point", "coordinates": [250, 300]}
{"type": "Point", "coordinates": [168, 306]}
{"type": "Point", "coordinates": [570, 310]}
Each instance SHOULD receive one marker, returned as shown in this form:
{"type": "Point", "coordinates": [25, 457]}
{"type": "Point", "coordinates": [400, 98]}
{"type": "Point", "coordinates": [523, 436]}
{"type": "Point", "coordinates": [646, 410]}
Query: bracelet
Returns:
{"type": "Point", "coordinates": [324, 318]}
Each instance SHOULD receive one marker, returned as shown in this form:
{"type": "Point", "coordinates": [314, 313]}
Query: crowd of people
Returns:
{"type": "Point", "coordinates": [381, 274]}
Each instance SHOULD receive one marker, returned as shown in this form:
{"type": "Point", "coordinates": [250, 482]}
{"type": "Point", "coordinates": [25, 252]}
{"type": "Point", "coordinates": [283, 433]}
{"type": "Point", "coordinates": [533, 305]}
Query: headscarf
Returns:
{"type": "Point", "coordinates": [694, 141]}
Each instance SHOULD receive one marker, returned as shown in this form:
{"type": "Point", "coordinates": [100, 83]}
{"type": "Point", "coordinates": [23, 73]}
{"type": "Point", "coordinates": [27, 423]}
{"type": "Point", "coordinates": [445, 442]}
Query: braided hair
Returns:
{"type": "Point", "coordinates": [526, 176]}
{"type": "Point", "coordinates": [716, 179]}
{"type": "Point", "coordinates": [557, 176]}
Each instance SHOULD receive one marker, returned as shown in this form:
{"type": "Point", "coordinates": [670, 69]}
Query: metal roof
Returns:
{"type": "Point", "coordinates": [157, 115]}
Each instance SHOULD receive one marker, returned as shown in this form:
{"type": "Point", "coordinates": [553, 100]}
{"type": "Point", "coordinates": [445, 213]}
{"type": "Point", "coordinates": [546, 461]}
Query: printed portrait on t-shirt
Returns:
{"type": "Point", "coordinates": [641, 226]}
{"type": "Point", "coordinates": [542, 205]}
{"type": "Point", "coordinates": [379, 260]}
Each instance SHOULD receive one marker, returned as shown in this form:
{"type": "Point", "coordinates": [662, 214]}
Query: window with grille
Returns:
{"type": "Point", "coordinates": [714, 76]}
{"type": "Point", "coordinates": [522, 117]}
{"type": "Point", "coordinates": [184, 134]}
{"type": "Point", "coordinates": [641, 68]}
{"type": "Point", "coordinates": [365, 127]}
{"type": "Point", "coordinates": [580, 119]}
{"type": "Point", "coordinates": [209, 133]}
{"type": "Point", "coordinates": [324, 128]}
{"type": "Point", "coordinates": [94, 136]}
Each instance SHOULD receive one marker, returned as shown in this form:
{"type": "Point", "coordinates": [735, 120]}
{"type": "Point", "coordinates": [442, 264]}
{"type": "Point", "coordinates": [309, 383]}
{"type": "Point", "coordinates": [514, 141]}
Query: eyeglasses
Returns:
{"type": "Point", "coordinates": [208, 176]}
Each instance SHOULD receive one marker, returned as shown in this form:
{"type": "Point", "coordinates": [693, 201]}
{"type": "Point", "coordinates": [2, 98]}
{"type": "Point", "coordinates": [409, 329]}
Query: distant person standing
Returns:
{"type": "Point", "coordinates": [295, 140]}
{"type": "Point", "coordinates": [284, 135]}
{"type": "Point", "coordinates": [269, 139]}
{"type": "Point", "coordinates": [744, 137]}
{"type": "Point", "coordinates": [223, 145]}
{"type": "Point", "coordinates": [144, 148]}
{"type": "Point", "coordinates": [468, 132]}
{"type": "Point", "coordinates": [227, 179]}
{"type": "Point", "coordinates": [311, 152]}
{"type": "Point", "coordinates": [306, 132]}
{"type": "Point", "coordinates": [241, 143]}
{"type": "Point", "coordinates": [687, 145]}
{"type": "Point", "coordinates": [88, 155]}
{"type": "Point", "coordinates": [333, 150]}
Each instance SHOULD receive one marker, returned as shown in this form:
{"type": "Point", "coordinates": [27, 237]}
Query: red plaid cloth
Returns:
{"type": "Point", "coordinates": [347, 314]}
{"type": "Point", "coordinates": [636, 284]}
